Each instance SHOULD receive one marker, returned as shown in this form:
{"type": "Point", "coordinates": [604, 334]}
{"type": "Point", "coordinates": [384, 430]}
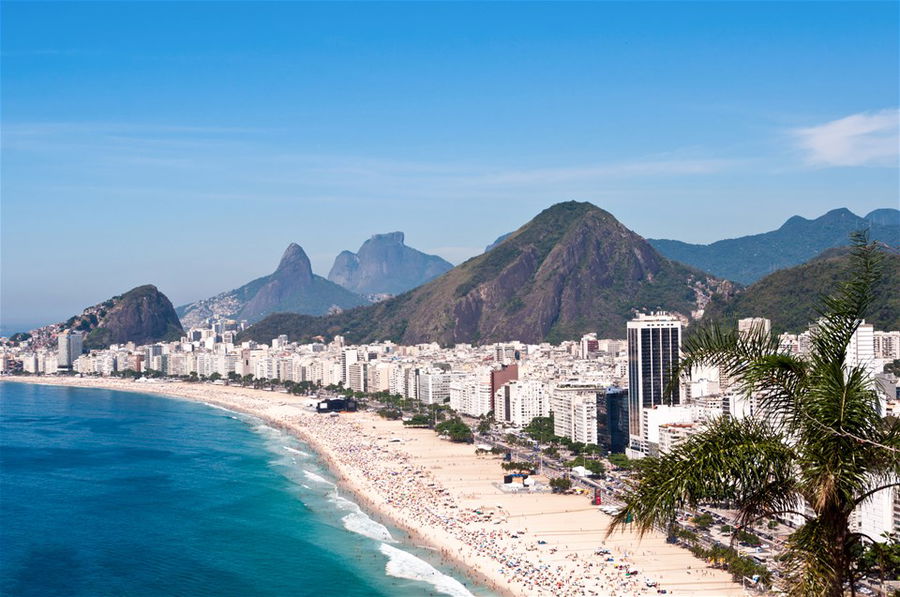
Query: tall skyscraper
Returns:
{"type": "Point", "coordinates": [654, 345]}
{"type": "Point", "coordinates": [69, 346]}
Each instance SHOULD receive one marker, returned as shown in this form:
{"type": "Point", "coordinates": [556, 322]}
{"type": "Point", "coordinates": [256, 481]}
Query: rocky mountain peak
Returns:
{"type": "Point", "coordinates": [385, 265]}
{"type": "Point", "coordinates": [294, 258]}
{"type": "Point", "coordinates": [572, 269]}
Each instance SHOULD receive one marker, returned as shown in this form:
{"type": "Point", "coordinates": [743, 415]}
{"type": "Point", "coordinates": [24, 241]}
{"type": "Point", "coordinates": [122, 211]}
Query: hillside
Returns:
{"type": "Point", "coordinates": [789, 297]}
{"type": "Point", "coordinates": [749, 258]}
{"type": "Point", "coordinates": [499, 240]}
{"type": "Point", "coordinates": [142, 315]}
{"type": "Point", "coordinates": [385, 265]}
{"type": "Point", "coordinates": [572, 269]}
{"type": "Point", "coordinates": [292, 287]}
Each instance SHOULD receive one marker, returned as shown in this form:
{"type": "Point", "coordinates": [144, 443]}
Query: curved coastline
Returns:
{"type": "Point", "coordinates": [469, 480]}
{"type": "Point", "coordinates": [344, 477]}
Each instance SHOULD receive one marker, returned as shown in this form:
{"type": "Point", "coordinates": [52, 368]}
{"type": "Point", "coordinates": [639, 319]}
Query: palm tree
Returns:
{"type": "Point", "coordinates": [816, 448]}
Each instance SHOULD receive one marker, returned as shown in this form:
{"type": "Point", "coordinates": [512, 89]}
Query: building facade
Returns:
{"type": "Point", "coordinates": [654, 345]}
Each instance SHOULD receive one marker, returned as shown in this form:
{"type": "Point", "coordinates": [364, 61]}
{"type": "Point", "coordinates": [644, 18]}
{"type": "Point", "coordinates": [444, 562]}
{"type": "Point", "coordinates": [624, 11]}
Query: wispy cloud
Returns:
{"type": "Point", "coordinates": [864, 139]}
{"type": "Point", "coordinates": [641, 167]}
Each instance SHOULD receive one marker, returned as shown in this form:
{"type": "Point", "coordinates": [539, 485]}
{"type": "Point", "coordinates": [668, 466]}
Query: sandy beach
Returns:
{"type": "Point", "coordinates": [445, 496]}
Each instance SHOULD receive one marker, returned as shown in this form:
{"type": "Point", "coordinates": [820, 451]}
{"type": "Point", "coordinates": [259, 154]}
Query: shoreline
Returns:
{"type": "Point", "coordinates": [434, 492]}
{"type": "Point", "coordinates": [322, 451]}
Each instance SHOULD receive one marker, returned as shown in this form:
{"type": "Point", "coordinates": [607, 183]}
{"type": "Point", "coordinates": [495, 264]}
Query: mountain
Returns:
{"type": "Point", "coordinates": [291, 287]}
{"type": "Point", "coordinates": [749, 258]}
{"type": "Point", "coordinates": [384, 265]}
{"type": "Point", "coordinates": [572, 269]}
{"type": "Point", "coordinates": [789, 297]}
{"type": "Point", "coordinates": [499, 240]}
{"type": "Point", "coordinates": [142, 315]}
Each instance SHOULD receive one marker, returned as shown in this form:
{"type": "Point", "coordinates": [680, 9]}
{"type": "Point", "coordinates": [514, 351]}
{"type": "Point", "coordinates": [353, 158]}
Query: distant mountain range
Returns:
{"type": "Point", "coordinates": [142, 315]}
{"type": "Point", "coordinates": [789, 297]}
{"type": "Point", "coordinates": [385, 265]}
{"type": "Point", "coordinates": [749, 258]}
{"type": "Point", "coordinates": [291, 287]}
{"type": "Point", "coordinates": [572, 269]}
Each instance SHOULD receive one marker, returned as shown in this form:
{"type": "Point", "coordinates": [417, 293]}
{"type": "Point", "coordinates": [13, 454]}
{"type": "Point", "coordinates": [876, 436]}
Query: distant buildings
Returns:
{"type": "Point", "coordinates": [470, 394]}
{"type": "Point", "coordinates": [616, 420]}
{"type": "Point", "coordinates": [886, 345]}
{"type": "Point", "coordinates": [574, 407]}
{"type": "Point", "coordinates": [69, 348]}
{"type": "Point", "coordinates": [760, 324]}
{"type": "Point", "coordinates": [519, 402]}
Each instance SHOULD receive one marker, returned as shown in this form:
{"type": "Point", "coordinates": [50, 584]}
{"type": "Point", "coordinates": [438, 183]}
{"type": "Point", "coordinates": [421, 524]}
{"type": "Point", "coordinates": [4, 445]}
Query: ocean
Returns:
{"type": "Point", "coordinates": [118, 493]}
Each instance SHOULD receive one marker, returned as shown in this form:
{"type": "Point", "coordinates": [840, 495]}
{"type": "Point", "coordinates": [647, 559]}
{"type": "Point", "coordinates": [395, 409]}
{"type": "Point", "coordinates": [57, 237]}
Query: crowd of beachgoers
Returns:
{"type": "Point", "coordinates": [530, 565]}
{"type": "Point", "coordinates": [485, 541]}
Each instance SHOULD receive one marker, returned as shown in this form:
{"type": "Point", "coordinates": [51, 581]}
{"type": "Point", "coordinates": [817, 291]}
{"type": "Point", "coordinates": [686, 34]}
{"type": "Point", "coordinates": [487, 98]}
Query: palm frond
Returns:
{"type": "Point", "coordinates": [841, 313]}
{"type": "Point", "coordinates": [738, 461]}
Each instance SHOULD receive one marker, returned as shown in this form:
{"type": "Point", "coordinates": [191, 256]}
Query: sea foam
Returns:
{"type": "Point", "coordinates": [402, 564]}
{"type": "Point", "coordinates": [358, 522]}
{"type": "Point", "coordinates": [295, 451]}
{"type": "Point", "coordinates": [314, 477]}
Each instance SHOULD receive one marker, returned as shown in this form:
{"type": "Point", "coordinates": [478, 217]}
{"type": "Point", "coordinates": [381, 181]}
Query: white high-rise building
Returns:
{"type": "Point", "coordinates": [887, 345]}
{"type": "Point", "coordinates": [357, 378]}
{"type": "Point", "coordinates": [861, 349]}
{"type": "Point", "coordinates": [470, 394]}
{"type": "Point", "coordinates": [875, 515]}
{"type": "Point", "coordinates": [654, 347]}
{"type": "Point", "coordinates": [518, 402]}
{"type": "Point", "coordinates": [575, 413]}
{"type": "Point", "coordinates": [69, 347]}
{"type": "Point", "coordinates": [434, 386]}
{"type": "Point", "coordinates": [348, 357]}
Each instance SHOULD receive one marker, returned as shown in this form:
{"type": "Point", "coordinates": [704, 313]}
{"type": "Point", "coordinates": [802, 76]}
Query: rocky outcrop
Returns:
{"type": "Point", "coordinates": [292, 288]}
{"type": "Point", "coordinates": [573, 269]}
{"type": "Point", "coordinates": [142, 315]}
{"type": "Point", "coordinates": [385, 265]}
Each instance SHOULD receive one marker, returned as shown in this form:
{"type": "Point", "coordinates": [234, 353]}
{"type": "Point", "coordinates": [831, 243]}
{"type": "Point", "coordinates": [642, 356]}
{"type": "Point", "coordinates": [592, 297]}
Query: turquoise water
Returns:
{"type": "Point", "coordinates": [117, 493]}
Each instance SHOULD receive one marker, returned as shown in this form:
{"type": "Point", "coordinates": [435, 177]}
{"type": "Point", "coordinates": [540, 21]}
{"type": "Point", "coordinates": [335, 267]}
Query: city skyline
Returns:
{"type": "Point", "coordinates": [133, 139]}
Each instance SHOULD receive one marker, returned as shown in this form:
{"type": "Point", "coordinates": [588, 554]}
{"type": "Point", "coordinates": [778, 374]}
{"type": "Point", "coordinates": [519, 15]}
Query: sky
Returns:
{"type": "Point", "coordinates": [187, 144]}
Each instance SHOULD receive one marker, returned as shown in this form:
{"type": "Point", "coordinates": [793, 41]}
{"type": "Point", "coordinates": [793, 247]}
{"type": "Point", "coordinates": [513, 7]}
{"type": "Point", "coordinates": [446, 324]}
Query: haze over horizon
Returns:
{"type": "Point", "coordinates": [141, 148]}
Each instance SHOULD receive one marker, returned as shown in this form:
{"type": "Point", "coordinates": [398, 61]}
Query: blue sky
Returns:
{"type": "Point", "coordinates": [186, 144]}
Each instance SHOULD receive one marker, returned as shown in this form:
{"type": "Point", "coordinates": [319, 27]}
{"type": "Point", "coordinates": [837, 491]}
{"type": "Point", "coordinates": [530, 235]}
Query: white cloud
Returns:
{"type": "Point", "coordinates": [864, 139]}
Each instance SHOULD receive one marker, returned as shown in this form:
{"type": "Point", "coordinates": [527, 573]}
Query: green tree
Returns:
{"type": "Point", "coordinates": [560, 484]}
{"type": "Point", "coordinates": [519, 467]}
{"type": "Point", "coordinates": [420, 420]}
{"type": "Point", "coordinates": [456, 430]}
{"type": "Point", "coordinates": [703, 521]}
{"type": "Point", "coordinates": [540, 428]}
{"type": "Point", "coordinates": [879, 559]}
{"type": "Point", "coordinates": [621, 461]}
{"type": "Point", "coordinates": [820, 441]}
{"type": "Point", "coordinates": [484, 425]}
{"type": "Point", "coordinates": [594, 466]}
